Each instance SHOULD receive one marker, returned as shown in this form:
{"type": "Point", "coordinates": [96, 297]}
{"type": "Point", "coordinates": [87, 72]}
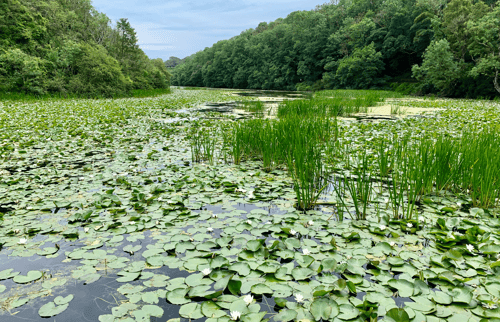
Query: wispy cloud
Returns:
{"type": "Point", "coordinates": [181, 28]}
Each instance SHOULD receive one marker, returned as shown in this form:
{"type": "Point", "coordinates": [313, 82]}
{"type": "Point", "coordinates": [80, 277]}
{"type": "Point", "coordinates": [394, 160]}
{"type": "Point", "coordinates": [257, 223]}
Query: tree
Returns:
{"type": "Point", "coordinates": [127, 40]}
{"type": "Point", "coordinates": [22, 72]}
{"type": "Point", "coordinates": [360, 70]}
{"type": "Point", "coordinates": [98, 74]}
{"type": "Point", "coordinates": [438, 67]}
{"type": "Point", "coordinates": [485, 45]}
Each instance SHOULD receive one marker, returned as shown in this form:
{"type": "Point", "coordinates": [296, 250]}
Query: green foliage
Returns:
{"type": "Point", "coordinates": [98, 74]}
{"type": "Point", "coordinates": [438, 67]}
{"type": "Point", "coordinates": [359, 70]}
{"type": "Point", "coordinates": [485, 45]}
{"type": "Point", "coordinates": [48, 48]}
{"type": "Point", "coordinates": [21, 72]}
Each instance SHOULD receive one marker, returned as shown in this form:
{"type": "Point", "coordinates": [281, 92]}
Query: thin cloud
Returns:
{"type": "Point", "coordinates": [182, 28]}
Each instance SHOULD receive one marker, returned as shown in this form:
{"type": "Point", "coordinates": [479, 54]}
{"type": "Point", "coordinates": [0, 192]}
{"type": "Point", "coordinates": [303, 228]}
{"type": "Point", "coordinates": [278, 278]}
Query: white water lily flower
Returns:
{"type": "Point", "coordinates": [409, 225]}
{"type": "Point", "coordinates": [214, 215]}
{"type": "Point", "coordinates": [235, 315]}
{"type": "Point", "coordinates": [157, 222]}
{"type": "Point", "coordinates": [249, 222]}
{"type": "Point", "coordinates": [348, 256]}
{"type": "Point", "coordinates": [159, 198]}
{"type": "Point", "coordinates": [299, 298]}
{"type": "Point", "coordinates": [470, 247]}
{"type": "Point", "coordinates": [382, 227]}
{"type": "Point", "coordinates": [251, 195]}
{"type": "Point", "coordinates": [392, 244]}
{"type": "Point", "coordinates": [86, 229]}
{"type": "Point", "coordinates": [248, 299]}
{"type": "Point", "coordinates": [22, 241]}
{"type": "Point", "coordinates": [206, 271]}
{"type": "Point", "coordinates": [421, 218]}
{"type": "Point", "coordinates": [210, 229]}
{"type": "Point", "coordinates": [386, 200]}
{"type": "Point", "coordinates": [17, 231]}
{"type": "Point", "coordinates": [306, 251]}
{"type": "Point", "coordinates": [310, 223]}
{"type": "Point", "coordinates": [81, 178]}
{"type": "Point", "coordinates": [292, 232]}
{"type": "Point", "coordinates": [489, 306]}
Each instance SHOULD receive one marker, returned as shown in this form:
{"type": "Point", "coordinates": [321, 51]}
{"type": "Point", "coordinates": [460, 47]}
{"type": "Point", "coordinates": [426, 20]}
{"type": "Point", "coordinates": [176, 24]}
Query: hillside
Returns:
{"type": "Point", "coordinates": [420, 46]}
{"type": "Point", "coordinates": [68, 47]}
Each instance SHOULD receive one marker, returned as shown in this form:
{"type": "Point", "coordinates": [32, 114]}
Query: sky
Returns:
{"type": "Point", "coordinates": [181, 28]}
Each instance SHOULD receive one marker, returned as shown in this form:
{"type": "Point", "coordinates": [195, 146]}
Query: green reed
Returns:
{"type": "Point", "coordinates": [359, 188]}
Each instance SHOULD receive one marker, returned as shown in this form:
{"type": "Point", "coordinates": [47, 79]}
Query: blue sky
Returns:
{"type": "Point", "coordinates": [181, 28]}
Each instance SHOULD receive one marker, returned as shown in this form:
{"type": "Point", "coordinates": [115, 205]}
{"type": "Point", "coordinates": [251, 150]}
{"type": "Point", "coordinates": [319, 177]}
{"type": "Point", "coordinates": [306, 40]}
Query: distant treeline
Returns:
{"type": "Point", "coordinates": [68, 47]}
{"type": "Point", "coordinates": [416, 46]}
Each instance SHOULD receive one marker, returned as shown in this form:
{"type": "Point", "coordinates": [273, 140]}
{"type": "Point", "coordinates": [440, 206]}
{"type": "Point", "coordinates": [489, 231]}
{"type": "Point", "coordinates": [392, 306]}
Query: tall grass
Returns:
{"type": "Point", "coordinates": [15, 96]}
{"type": "Point", "coordinates": [203, 144]}
{"type": "Point", "coordinates": [359, 189]}
{"type": "Point", "coordinates": [468, 162]}
{"type": "Point", "coordinates": [293, 142]}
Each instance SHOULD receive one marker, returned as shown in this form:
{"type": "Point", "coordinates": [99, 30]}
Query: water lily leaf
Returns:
{"type": "Point", "coordinates": [395, 261]}
{"type": "Point", "coordinates": [199, 291]}
{"type": "Point", "coordinates": [304, 260]}
{"type": "Point", "coordinates": [153, 310]}
{"type": "Point", "coordinates": [7, 273]}
{"type": "Point", "coordinates": [268, 267]}
{"type": "Point", "coordinates": [292, 243]}
{"type": "Point", "coordinates": [285, 315]}
{"type": "Point", "coordinates": [150, 297]}
{"type": "Point", "coordinates": [253, 317]}
{"type": "Point", "coordinates": [347, 312]}
{"type": "Point", "coordinates": [441, 298]}
{"type": "Point", "coordinates": [261, 289]}
{"type": "Point", "coordinates": [421, 304]}
{"type": "Point", "coordinates": [130, 289]}
{"type": "Point", "coordinates": [324, 308]}
{"type": "Point", "coordinates": [493, 289]}
{"type": "Point", "coordinates": [329, 264]}
{"type": "Point", "coordinates": [280, 302]}
{"type": "Point", "coordinates": [63, 300]}
{"type": "Point", "coordinates": [234, 287]}
{"type": "Point", "coordinates": [91, 278]}
{"type": "Point", "coordinates": [194, 279]}
{"type": "Point", "coordinates": [222, 283]}
{"type": "Point", "coordinates": [19, 302]}
{"type": "Point", "coordinates": [404, 287]}
{"type": "Point", "coordinates": [218, 261]}
{"type": "Point", "coordinates": [281, 290]}
{"type": "Point", "coordinates": [211, 310]}
{"type": "Point", "coordinates": [241, 268]}
{"type": "Point", "coordinates": [255, 245]}
{"type": "Point", "coordinates": [50, 309]}
{"type": "Point", "coordinates": [302, 273]}
{"type": "Point", "coordinates": [127, 277]}
{"type": "Point", "coordinates": [30, 277]}
{"type": "Point", "coordinates": [397, 315]}
{"type": "Point", "coordinates": [178, 296]}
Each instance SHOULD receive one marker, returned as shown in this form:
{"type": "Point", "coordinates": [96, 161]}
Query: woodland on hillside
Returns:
{"type": "Point", "coordinates": [68, 47]}
{"type": "Point", "coordinates": [451, 48]}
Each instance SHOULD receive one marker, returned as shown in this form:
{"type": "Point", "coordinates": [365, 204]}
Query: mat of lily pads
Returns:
{"type": "Point", "coordinates": [105, 217]}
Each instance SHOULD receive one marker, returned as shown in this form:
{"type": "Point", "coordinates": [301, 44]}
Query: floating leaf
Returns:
{"type": "Point", "coordinates": [50, 309]}
{"type": "Point", "coordinates": [30, 277]}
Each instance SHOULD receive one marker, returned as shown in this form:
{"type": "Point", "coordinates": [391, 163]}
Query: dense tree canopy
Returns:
{"type": "Point", "coordinates": [450, 47]}
{"type": "Point", "coordinates": [66, 46]}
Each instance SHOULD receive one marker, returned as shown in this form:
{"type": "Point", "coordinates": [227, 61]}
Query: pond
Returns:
{"type": "Point", "coordinates": [142, 210]}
